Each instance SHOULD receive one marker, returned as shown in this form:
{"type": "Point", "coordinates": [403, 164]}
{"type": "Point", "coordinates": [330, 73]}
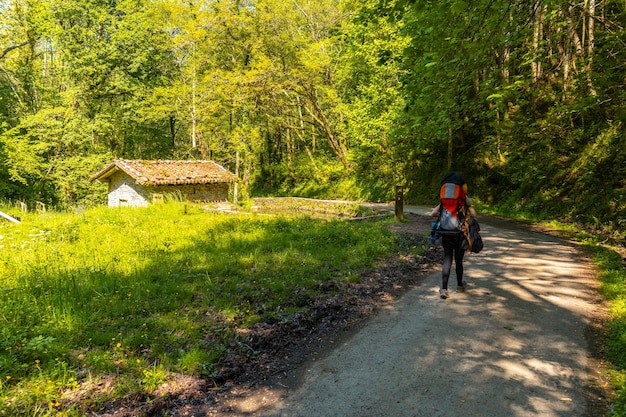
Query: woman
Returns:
{"type": "Point", "coordinates": [455, 204]}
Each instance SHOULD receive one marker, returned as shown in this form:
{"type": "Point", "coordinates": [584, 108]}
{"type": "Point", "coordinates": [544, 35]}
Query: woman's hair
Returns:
{"type": "Point", "coordinates": [454, 178]}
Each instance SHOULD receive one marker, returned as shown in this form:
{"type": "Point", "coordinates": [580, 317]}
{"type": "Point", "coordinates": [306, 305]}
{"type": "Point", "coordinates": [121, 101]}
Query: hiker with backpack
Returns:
{"type": "Point", "coordinates": [451, 213]}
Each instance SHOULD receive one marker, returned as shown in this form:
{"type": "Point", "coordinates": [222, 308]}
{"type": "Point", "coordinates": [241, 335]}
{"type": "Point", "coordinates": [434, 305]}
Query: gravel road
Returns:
{"type": "Point", "coordinates": [514, 344]}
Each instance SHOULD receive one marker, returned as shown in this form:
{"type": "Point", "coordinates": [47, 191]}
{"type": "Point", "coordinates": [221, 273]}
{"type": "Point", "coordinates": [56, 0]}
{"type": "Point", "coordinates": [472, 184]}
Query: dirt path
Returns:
{"type": "Point", "coordinates": [513, 345]}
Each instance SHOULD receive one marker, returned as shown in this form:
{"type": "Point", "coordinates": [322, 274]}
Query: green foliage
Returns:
{"type": "Point", "coordinates": [323, 98]}
{"type": "Point", "coordinates": [73, 187]}
{"type": "Point", "coordinates": [137, 294]}
{"type": "Point", "coordinates": [347, 98]}
{"type": "Point", "coordinates": [613, 280]}
{"type": "Point", "coordinates": [153, 378]}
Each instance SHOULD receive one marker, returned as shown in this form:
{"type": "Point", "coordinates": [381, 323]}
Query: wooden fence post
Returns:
{"type": "Point", "coordinates": [399, 202]}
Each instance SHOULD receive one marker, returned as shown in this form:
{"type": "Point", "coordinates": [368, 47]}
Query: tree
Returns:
{"type": "Point", "coordinates": [369, 79]}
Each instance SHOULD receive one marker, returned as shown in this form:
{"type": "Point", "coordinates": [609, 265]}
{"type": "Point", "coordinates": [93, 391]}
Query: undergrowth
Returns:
{"type": "Point", "coordinates": [125, 297]}
{"type": "Point", "coordinates": [613, 285]}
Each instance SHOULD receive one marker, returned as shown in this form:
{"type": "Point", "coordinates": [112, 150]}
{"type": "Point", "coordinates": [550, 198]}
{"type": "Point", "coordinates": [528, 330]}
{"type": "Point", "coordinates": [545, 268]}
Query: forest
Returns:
{"type": "Point", "coordinates": [330, 98]}
{"type": "Point", "coordinates": [333, 99]}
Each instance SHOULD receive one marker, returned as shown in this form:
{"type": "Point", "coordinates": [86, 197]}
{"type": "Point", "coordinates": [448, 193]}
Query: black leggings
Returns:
{"type": "Point", "coordinates": [452, 249]}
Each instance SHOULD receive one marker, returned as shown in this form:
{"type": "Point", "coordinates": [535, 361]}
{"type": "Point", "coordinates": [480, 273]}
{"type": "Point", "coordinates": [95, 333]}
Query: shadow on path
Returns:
{"type": "Point", "coordinates": [512, 345]}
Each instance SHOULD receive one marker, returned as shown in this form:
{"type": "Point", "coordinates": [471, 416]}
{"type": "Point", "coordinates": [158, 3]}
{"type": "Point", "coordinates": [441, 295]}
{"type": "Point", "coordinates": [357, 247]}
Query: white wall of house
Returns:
{"type": "Point", "coordinates": [124, 191]}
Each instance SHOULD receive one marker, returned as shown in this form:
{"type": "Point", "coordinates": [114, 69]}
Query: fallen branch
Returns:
{"type": "Point", "coordinates": [9, 218]}
{"type": "Point", "coordinates": [12, 47]}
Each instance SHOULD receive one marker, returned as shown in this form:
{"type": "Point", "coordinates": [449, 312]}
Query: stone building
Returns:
{"type": "Point", "coordinates": [137, 182]}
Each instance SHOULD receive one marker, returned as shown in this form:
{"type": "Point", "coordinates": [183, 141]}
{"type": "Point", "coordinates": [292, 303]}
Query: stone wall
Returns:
{"type": "Point", "coordinates": [194, 192]}
{"type": "Point", "coordinates": [124, 191]}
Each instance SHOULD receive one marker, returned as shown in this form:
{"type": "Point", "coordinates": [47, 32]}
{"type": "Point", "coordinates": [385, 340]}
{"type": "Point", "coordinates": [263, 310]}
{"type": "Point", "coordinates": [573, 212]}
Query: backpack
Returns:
{"type": "Point", "coordinates": [471, 232]}
{"type": "Point", "coordinates": [452, 209]}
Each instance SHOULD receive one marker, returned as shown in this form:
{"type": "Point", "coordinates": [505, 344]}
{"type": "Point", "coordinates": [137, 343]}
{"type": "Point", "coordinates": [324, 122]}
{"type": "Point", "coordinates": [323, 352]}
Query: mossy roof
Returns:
{"type": "Point", "coordinates": [164, 172]}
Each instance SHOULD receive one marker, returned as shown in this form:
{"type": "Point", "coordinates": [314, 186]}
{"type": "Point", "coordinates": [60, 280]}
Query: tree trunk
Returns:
{"type": "Point", "coordinates": [318, 115]}
{"type": "Point", "coordinates": [290, 152]}
{"type": "Point", "coordinates": [450, 148]}
{"type": "Point", "coordinates": [537, 37]}
{"type": "Point", "coordinates": [193, 112]}
{"type": "Point", "coordinates": [567, 52]}
{"type": "Point", "coordinates": [235, 189]}
{"type": "Point", "coordinates": [590, 45]}
{"type": "Point", "coordinates": [506, 62]}
{"type": "Point", "coordinates": [301, 132]}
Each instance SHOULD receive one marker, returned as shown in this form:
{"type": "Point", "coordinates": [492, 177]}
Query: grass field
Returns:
{"type": "Point", "coordinates": [131, 296]}
{"type": "Point", "coordinates": [138, 294]}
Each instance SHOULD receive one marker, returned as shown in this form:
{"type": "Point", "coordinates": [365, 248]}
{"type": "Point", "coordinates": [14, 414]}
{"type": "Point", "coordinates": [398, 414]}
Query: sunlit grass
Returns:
{"type": "Point", "coordinates": [141, 293]}
{"type": "Point", "coordinates": [613, 285]}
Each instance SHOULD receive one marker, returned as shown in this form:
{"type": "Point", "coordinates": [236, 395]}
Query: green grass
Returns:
{"type": "Point", "coordinates": [613, 286]}
{"type": "Point", "coordinates": [133, 295]}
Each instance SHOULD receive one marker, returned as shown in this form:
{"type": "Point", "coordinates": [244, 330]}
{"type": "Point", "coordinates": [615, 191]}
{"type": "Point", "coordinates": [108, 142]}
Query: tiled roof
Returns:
{"type": "Point", "coordinates": [167, 172]}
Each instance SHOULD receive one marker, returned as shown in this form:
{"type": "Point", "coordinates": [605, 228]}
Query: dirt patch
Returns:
{"type": "Point", "coordinates": [262, 354]}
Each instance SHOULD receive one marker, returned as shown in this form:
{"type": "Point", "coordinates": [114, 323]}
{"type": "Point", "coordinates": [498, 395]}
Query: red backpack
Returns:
{"type": "Point", "coordinates": [453, 206]}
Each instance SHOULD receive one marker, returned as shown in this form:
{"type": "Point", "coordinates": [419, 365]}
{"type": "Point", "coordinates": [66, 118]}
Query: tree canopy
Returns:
{"type": "Point", "coordinates": [342, 98]}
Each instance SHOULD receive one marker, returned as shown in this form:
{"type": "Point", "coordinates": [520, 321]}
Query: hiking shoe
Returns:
{"type": "Point", "coordinates": [462, 287]}
{"type": "Point", "coordinates": [443, 293]}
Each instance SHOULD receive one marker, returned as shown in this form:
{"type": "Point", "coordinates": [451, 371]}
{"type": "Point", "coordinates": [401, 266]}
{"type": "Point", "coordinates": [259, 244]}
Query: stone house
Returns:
{"type": "Point", "coordinates": [136, 183]}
